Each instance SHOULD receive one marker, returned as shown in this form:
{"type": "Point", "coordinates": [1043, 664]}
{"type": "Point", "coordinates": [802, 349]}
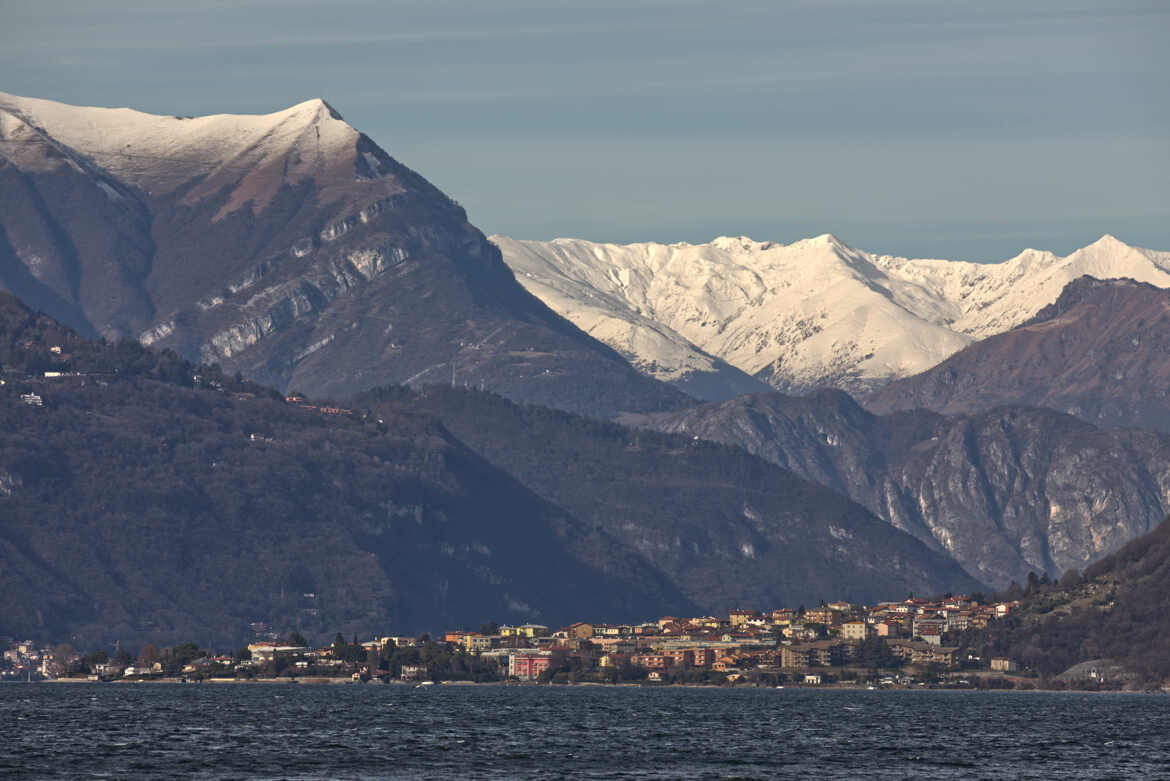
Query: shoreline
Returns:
{"type": "Point", "coordinates": [327, 681]}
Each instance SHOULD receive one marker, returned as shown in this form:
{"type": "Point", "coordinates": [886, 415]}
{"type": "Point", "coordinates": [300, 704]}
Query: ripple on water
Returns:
{"type": "Point", "coordinates": [390, 732]}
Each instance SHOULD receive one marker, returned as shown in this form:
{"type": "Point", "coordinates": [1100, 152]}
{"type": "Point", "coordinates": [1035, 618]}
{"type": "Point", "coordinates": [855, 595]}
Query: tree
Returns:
{"type": "Point", "coordinates": [63, 658]}
{"type": "Point", "coordinates": [296, 638]}
{"type": "Point", "coordinates": [874, 653]}
{"type": "Point", "coordinates": [148, 655]}
{"type": "Point", "coordinates": [90, 661]}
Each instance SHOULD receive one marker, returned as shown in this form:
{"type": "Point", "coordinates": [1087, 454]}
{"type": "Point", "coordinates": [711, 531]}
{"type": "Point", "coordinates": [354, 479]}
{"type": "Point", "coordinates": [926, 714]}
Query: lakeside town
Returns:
{"type": "Point", "coordinates": [915, 642]}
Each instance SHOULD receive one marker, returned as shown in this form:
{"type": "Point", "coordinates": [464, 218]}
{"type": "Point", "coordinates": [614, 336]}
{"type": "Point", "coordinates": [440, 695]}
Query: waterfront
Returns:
{"type": "Point", "coordinates": [390, 732]}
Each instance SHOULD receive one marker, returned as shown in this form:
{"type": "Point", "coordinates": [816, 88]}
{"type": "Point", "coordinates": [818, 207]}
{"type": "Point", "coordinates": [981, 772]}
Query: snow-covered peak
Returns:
{"type": "Point", "coordinates": [252, 154]}
{"type": "Point", "coordinates": [812, 313]}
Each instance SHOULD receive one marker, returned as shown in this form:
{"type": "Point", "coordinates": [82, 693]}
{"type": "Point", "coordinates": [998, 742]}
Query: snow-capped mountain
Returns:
{"type": "Point", "coordinates": [285, 246]}
{"type": "Point", "coordinates": [815, 313]}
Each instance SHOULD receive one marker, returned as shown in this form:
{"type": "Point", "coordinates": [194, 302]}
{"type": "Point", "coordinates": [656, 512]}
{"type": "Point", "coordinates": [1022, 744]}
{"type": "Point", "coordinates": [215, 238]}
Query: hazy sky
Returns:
{"type": "Point", "coordinates": [926, 127]}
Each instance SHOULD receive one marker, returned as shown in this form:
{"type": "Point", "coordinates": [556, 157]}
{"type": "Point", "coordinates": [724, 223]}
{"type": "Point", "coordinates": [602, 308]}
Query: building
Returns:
{"type": "Point", "coordinates": [527, 665]}
{"type": "Point", "coordinates": [267, 652]}
{"type": "Point", "coordinates": [1003, 664]}
{"type": "Point", "coordinates": [854, 630]}
{"type": "Point", "coordinates": [477, 643]}
{"type": "Point", "coordinates": [526, 630]}
{"type": "Point", "coordinates": [740, 618]}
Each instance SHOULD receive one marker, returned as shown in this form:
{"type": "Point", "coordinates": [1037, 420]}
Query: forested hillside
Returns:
{"type": "Point", "coordinates": [143, 497]}
{"type": "Point", "coordinates": [1117, 614]}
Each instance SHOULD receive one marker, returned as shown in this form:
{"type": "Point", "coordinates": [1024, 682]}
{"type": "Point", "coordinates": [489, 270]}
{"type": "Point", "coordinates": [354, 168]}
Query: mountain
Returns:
{"type": "Point", "coordinates": [725, 527]}
{"type": "Point", "coordinates": [145, 498]}
{"type": "Point", "coordinates": [1005, 492]}
{"type": "Point", "coordinates": [1106, 629]}
{"type": "Point", "coordinates": [812, 314]}
{"type": "Point", "coordinates": [288, 247]}
{"type": "Point", "coordinates": [1099, 352]}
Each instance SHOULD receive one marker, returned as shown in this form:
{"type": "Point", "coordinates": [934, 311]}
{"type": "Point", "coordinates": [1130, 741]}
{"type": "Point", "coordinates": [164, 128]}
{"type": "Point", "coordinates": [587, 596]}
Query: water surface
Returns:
{"type": "Point", "coordinates": [287, 731]}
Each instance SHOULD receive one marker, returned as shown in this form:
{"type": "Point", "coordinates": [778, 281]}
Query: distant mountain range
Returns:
{"type": "Point", "coordinates": [802, 316]}
{"type": "Point", "coordinates": [287, 251]}
{"type": "Point", "coordinates": [288, 247]}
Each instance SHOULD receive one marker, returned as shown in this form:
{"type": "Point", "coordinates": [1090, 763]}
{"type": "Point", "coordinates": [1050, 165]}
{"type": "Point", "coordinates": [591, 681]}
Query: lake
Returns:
{"type": "Point", "coordinates": [290, 731]}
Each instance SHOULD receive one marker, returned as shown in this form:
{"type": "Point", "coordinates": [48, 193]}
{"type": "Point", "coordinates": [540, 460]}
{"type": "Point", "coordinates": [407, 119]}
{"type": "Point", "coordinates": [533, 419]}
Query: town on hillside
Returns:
{"type": "Point", "coordinates": [912, 642]}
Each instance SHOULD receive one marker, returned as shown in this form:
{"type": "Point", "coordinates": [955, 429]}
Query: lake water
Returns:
{"type": "Point", "coordinates": [286, 731]}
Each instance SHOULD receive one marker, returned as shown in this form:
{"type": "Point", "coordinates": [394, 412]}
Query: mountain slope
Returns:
{"type": "Point", "coordinates": [231, 506]}
{"type": "Point", "coordinates": [1005, 492]}
{"type": "Point", "coordinates": [815, 313]}
{"type": "Point", "coordinates": [286, 246]}
{"type": "Point", "coordinates": [1099, 352]}
{"type": "Point", "coordinates": [1113, 621]}
{"type": "Point", "coordinates": [724, 526]}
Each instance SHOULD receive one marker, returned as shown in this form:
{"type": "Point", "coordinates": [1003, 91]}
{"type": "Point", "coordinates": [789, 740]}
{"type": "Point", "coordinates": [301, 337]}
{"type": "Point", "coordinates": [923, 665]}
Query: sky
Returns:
{"type": "Point", "coordinates": [926, 128]}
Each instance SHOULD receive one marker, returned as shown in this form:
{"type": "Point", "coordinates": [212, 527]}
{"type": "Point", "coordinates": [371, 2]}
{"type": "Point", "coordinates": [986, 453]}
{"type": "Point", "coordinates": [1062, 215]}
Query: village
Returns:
{"type": "Point", "coordinates": [907, 643]}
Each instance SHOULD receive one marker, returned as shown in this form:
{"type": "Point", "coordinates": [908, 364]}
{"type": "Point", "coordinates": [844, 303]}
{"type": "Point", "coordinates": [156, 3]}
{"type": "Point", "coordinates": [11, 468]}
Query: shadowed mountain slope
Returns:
{"type": "Point", "coordinates": [725, 527]}
{"type": "Point", "coordinates": [142, 497]}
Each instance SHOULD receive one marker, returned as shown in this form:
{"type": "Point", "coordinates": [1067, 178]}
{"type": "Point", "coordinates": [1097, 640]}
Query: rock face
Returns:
{"type": "Point", "coordinates": [721, 525]}
{"type": "Point", "coordinates": [288, 247]}
{"type": "Point", "coordinates": [808, 315]}
{"type": "Point", "coordinates": [1099, 353]}
{"type": "Point", "coordinates": [1005, 492]}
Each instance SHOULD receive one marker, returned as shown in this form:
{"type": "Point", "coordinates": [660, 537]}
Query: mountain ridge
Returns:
{"type": "Point", "coordinates": [1098, 352]}
{"type": "Point", "coordinates": [814, 313]}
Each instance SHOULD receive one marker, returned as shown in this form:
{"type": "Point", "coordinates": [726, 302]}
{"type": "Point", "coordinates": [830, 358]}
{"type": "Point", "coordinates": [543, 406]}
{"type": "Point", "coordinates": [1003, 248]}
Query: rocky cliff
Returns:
{"type": "Point", "coordinates": [1005, 492]}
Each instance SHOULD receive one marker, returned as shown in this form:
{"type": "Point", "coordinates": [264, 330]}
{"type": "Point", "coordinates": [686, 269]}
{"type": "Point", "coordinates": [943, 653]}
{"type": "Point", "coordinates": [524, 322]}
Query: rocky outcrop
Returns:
{"type": "Point", "coordinates": [1005, 492]}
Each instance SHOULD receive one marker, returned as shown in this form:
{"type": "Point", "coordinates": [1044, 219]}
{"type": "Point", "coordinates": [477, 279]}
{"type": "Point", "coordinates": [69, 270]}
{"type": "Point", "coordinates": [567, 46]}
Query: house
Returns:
{"type": "Point", "coordinates": [924, 653]}
{"type": "Point", "coordinates": [579, 630]}
{"type": "Point", "coordinates": [475, 643]}
{"type": "Point", "coordinates": [812, 679]}
{"type": "Point", "coordinates": [1003, 664]}
{"type": "Point", "coordinates": [854, 630]}
{"type": "Point", "coordinates": [267, 652]}
{"type": "Point", "coordinates": [413, 672]}
{"type": "Point", "coordinates": [740, 618]}
{"type": "Point", "coordinates": [526, 630]}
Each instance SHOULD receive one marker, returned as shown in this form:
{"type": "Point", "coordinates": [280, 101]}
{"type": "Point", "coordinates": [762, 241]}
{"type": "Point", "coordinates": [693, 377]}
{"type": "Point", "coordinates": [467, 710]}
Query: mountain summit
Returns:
{"type": "Point", "coordinates": [286, 246]}
{"type": "Point", "coordinates": [801, 316]}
